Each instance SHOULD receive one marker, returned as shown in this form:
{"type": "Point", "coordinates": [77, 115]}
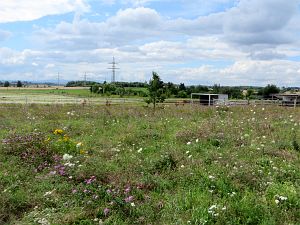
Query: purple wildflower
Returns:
{"type": "Point", "coordinates": [106, 211]}
{"type": "Point", "coordinates": [127, 190]}
{"type": "Point", "coordinates": [129, 199]}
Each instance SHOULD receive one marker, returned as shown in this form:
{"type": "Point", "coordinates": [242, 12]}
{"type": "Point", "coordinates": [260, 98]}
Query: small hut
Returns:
{"type": "Point", "coordinates": [209, 99]}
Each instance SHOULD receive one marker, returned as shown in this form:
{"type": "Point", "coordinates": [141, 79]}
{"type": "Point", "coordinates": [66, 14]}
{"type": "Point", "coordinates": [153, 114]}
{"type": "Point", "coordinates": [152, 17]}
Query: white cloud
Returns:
{"type": "Point", "coordinates": [244, 72]}
{"type": "Point", "coordinates": [249, 43]}
{"type": "Point", "coordinates": [23, 10]}
{"type": "Point", "coordinates": [11, 57]}
{"type": "Point", "coordinates": [125, 27]}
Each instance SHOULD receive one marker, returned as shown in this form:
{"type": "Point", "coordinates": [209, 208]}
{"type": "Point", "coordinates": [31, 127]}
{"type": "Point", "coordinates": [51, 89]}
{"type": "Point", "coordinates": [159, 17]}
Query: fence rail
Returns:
{"type": "Point", "coordinates": [55, 99]}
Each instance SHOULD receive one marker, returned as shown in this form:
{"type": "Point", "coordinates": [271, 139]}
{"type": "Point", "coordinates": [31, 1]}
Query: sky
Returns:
{"type": "Point", "coordinates": [226, 42]}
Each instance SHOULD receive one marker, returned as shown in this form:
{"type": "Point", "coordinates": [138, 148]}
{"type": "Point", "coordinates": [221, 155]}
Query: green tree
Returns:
{"type": "Point", "coordinates": [19, 84]}
{"type": "Point", "coordinates": [269, 90]}
{"type": "Point", "coordinates": [182, 87]}
{"type": "Point", "coordinates": [156, 89]}
{"type": "Point", "coordinates": [182, 94]}
{"type": "Point", "coordinates": [6, 84]}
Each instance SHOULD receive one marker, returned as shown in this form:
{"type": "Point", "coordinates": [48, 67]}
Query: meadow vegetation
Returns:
{"type": "Point", "coordinates": [69, 164]}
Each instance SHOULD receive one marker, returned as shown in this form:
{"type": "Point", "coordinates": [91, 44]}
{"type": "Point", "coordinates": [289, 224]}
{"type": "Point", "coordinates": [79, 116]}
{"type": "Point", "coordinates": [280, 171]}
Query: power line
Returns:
{"type": "Point", "coordinates": [113, 68]}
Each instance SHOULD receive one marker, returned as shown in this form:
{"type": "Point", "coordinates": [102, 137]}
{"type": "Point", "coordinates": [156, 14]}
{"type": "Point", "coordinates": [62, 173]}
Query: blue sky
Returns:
{"type": "Point", "coordinates": [229, 42]}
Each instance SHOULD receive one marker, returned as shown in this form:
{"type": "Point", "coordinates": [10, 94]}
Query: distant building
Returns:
{"type": "Point", "coordinates": [209, 99]}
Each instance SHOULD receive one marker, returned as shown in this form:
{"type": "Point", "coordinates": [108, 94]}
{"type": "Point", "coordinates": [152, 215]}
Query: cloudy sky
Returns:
{"type": "Point", "coordinates": [229, 42]}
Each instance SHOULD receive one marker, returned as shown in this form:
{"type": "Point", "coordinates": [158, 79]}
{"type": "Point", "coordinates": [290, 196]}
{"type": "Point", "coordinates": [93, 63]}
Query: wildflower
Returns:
{"type": "Point", "coordinates": [52, 172]}
{"type": "Point", "coordinates": [82, 152]}
{"type": "Point", "coordinates": [66, 138]}
{"type": "Point", "coordinates": [189, 143]}
{"type": "Point", "coordinates": [67, 157]}
{"type": "Point", "coordinates": [58, 132]}
{"type": "Point", "coordinates": [43, 221]}
{"type": "Point", "coordinates": [213, 207]}
{"type": "Point", "coordinates": [61, 171]}
{"type": "Point", "coordinates": [69, 164]}
{"type": "Point", "coordinates": [232, 194]}
{"type": "Point", "coordinates": [132, 204]}
{"type": "Point", "coordinates": [276, 201]}
{"type": "Point", "coordinates": [106, 211]}
{"type": "Point", "coordinates": [140, 150]}
{"type": "Point", "coordinates": [127, 190]}
{"type": "Point", "coordinates": [79, 144]}
{"type": "Point", "coordinates": [74, 191]}
{"type": "Point", "coordinates": [48, 193]}
{"type": "Point", "coordinates": [91, 180]}
{"type": "Point", "coordinates": [197, 140]}
{"type": "Point", "coordinates": [128, 199]}
{"type": "Point", "coordinates": [211, 177]}
{"type": "Point", "coordinates": [282, 198]}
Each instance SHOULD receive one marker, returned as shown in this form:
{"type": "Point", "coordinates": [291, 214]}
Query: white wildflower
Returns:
{"type": "Point", "coordinates": [140, 150]}
{"type": "Point", "coordinates": [70, 164]}
{"type": "Point", "coordinates": [48, 193]}
{"type": "Point", "coordinates": [67, 157]}
{"type": "Point", "coordinates": [213, 207]}
{"type": "Point", "coordinates": [282, 198]}
{"type": "Point", "coordinates": [79, 145]}
{"type": "Point", "coordinates": [43, 221]}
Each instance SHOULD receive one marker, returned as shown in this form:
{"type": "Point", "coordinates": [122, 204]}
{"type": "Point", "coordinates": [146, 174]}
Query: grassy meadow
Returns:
{"type": "Point", "coordinates": [69, 164]}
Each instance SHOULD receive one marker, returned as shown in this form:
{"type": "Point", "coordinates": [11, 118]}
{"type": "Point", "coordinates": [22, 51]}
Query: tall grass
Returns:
{"type": "Point", "coordinates": [130, 165]}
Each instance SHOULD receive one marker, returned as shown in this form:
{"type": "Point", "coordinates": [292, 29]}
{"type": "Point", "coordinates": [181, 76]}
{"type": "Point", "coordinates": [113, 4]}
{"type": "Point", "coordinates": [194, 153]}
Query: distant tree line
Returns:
{"type": "Point", "coordinates": [171, 90]}
{"type": "Point", "coordinates": [81, 83]}
{"type": "Point", "coordinates": [11, 84]}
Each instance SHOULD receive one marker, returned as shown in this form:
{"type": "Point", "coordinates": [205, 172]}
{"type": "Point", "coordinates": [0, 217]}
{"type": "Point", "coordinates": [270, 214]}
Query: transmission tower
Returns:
{"type": "Point", "coordinates": [113, 68]}
{"type": "Point", "coordinates": [58, 79]}
{"type": "Point", "coordinates": [84, 79]}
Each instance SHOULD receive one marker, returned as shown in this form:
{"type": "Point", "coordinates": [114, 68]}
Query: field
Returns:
{"type": "Point", "coordinates": [61, 95]}
{"type": "Point", "coordinates": [121, 164]}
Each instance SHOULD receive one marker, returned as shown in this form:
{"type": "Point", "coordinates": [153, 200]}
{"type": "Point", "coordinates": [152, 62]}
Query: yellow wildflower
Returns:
{"type": "Point", "coordinates": [58, 132]}
{"type": "Point", "coordinates": [66, 138]}
{"type": "Point", "coordinates": [82, 152]}
{"type": "Point", "coordinates": [47, 140]}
